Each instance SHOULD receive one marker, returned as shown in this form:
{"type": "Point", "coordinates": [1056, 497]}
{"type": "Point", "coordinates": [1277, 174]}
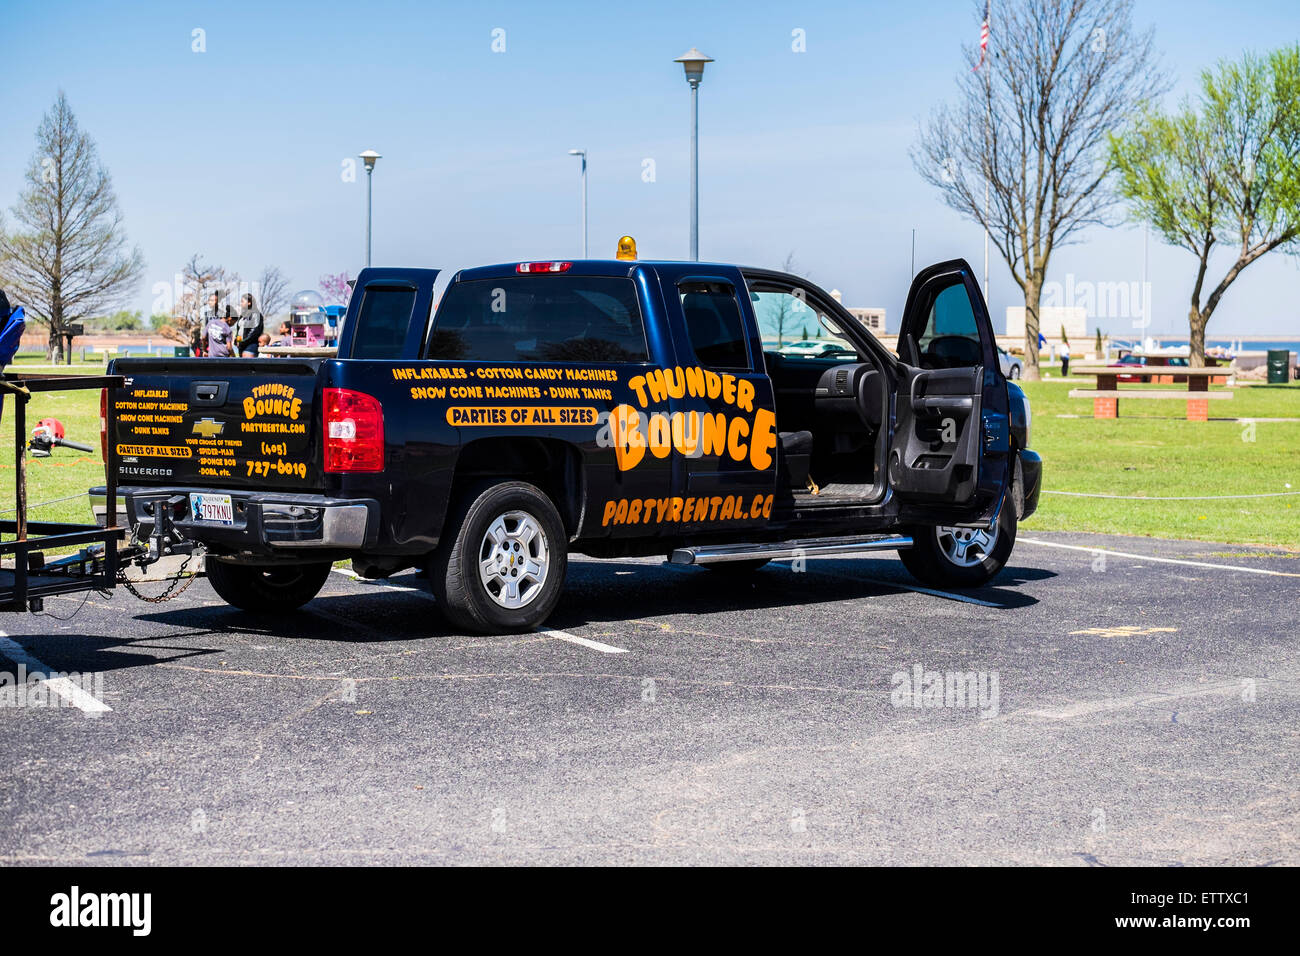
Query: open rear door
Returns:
{"type": "Point", "coordinates": [951, 443]}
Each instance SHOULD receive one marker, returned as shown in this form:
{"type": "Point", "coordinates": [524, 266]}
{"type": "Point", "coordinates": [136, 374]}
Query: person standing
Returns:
{"type": "Point", "coordinates": [284, 336]}
{"type": "Point", "coordinates": [248, 331]}
{"type": "Point", "coordinates": [218, 336]}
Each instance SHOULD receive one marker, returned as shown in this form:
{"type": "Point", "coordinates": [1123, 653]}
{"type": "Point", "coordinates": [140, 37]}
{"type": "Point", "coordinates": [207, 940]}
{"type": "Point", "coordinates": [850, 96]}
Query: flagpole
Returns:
{"type": "Point", "coordinates": [988, 159]}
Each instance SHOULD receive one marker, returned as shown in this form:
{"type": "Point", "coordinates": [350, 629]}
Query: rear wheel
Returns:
{"type": "Point", "coordinates": [951, 557]}
{"type": "Point", "coordinates": [501, 565]}
{"type": "Point", "coordinates": [267, 590]}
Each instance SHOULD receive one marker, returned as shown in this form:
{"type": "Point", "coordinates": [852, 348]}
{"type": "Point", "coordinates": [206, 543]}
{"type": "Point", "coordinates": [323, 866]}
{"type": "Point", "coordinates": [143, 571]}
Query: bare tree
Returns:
{"type": "Point", "coordinates": [198, 280]}
{"type": "Point", "coordinates": [272, 291]}
{"type": "Point", "coordinates": [784, 308]}
{"type": "Point", "coordinates": [69, 259]}
{"type": "Point", "coordinates": [1032, 124]}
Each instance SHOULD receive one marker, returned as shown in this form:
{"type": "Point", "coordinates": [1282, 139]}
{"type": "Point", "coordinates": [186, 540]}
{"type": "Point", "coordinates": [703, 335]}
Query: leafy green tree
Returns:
{"type": "Point", "coordinates": [1224, 172]}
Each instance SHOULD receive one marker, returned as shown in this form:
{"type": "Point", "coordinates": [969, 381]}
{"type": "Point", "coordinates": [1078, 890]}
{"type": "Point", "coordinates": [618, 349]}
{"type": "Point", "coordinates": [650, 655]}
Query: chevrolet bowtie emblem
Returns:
{"type": "Point", "coordinates": [208, 428]}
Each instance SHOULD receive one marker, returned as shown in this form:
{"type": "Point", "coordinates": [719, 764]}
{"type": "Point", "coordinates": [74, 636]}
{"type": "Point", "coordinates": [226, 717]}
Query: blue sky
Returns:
{"type": "Point", "coordinates": [236, 152]}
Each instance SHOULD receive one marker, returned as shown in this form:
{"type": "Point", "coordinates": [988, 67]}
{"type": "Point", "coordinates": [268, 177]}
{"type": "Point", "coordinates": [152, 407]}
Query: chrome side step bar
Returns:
{"type": "Point", "coordinates": [788, 550]}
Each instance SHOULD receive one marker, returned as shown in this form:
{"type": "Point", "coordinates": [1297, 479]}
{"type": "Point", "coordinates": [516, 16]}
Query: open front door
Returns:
{"type": "Point", "coordinates": [951, 443]}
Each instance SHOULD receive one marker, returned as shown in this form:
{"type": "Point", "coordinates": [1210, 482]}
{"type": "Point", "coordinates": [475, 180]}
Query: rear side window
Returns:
{"type": "Point", "coordinates": [544, 318]}
{"type": "Point", "coordinates": [382, 322]}
{"type": "Point", "coordinates": [714, 325]}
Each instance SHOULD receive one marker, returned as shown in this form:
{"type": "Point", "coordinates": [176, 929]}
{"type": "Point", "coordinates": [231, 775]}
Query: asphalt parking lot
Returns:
{"type": "Point", "coordinates": [1132, 702]}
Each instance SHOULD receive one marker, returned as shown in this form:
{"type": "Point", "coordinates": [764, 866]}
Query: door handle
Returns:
{"type": "Point", "coordinates": [208, 393]}
{"type": "Point", "coordinates": [943, 403]}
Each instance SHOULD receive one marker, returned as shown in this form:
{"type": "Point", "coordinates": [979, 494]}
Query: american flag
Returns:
{"type": "Point", "coordinates": [984, 37]}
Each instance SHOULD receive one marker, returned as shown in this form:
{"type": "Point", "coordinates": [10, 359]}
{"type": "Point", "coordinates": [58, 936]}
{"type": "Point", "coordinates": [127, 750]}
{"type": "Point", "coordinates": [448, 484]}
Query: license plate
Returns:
{"type": "Point", "coordinates": [215, 508]}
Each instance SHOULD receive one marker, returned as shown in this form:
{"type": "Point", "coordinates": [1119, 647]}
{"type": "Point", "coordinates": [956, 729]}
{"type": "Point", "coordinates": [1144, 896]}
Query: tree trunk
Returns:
{"type": "Point", "coordinates": [55, 348]}
{"type": "Point", "coordinates": [1196, 322]}
{"type": "Point", "coordinates": [1033, 292]}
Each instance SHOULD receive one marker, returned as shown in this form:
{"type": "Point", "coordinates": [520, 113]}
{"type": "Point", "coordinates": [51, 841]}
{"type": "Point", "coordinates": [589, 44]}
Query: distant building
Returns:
{"type": "Point", "coordinates": [1050, 320]}
{"type": "Point", "coordinates": [873, 319]}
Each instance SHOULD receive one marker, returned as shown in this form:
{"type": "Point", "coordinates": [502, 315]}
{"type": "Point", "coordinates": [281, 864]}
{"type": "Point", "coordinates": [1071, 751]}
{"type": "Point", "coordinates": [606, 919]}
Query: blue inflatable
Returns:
{"type": "Point", "coordinates": [14, 322]}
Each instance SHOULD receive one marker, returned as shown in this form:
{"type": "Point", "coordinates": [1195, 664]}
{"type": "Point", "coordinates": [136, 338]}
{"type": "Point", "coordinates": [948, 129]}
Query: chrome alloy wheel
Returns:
{"type": "Point", "coordinates": [513, 559]}
{"type": "Point", "coordinates": [966, 547]}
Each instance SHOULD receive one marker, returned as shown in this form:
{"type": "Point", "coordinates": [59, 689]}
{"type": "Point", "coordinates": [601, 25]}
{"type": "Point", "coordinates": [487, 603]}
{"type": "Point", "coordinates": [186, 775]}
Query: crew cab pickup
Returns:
{"type": "Point", "coordinates": [606, 407]}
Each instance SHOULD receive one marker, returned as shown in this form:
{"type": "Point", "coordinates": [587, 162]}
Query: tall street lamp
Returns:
{"type": "Point", "coordinates": [692, 62]}
{"type": "Point", "coordinates": [583, 154]}
{"type": "Point", "coordinates": [369, 157]}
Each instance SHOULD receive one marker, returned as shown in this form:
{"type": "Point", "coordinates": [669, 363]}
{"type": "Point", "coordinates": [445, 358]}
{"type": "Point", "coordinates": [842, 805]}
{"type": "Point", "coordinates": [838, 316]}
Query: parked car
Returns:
{"type": "Point", "coordinates": [615, 409]}
{"type": "Point", "coordinates": [1012, 367]}
{"type": "Point", "coordinates": [1140, 361]}
{"type": "Point", "coordinates": [811, 348]}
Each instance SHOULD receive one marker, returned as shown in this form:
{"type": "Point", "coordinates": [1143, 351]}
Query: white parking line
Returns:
{"type": "Point", "coordinates": [943, 594]}
{"type": "Point", "coordinates": [82, 700]}
{"type": "Point", "coordinates": [1148, 557]}
{"type": "Point", "coordinates": [964, 599]}
{"type": "Point", "coordinates": [585, 642]}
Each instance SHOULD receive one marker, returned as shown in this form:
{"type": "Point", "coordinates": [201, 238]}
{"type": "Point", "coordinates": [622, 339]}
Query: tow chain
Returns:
{"type": "Point", "coordinates": [171, 591]}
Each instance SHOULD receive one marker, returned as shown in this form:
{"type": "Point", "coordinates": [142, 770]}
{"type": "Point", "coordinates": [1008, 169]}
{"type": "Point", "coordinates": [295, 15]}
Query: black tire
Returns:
{"type": "Point", "coordinates": [737, 569]}
{"type": "Point", "coordinates": [267, 590]}
{"type": "Point", "coordinates": [1015, 372]}
{"type": "Point", "coordinates": [481, 602]}
{"type": "Point", "coordinates": [929, 562]}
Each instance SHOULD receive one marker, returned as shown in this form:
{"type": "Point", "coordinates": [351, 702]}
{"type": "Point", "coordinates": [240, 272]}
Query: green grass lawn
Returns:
{"type": "Point", "coordinates": [1150, 452]}
{"type": "Point", "coordinates": [65, 472]}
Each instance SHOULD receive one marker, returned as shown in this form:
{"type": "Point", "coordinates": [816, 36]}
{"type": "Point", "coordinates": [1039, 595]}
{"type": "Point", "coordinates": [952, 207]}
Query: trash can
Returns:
{"type": "Point", "coordinates": [1279, 366]}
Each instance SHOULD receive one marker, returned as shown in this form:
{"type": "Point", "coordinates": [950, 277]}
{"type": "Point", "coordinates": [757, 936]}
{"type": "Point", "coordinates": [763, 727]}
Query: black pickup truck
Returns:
{"type": "Point", "coordinates": [606, 407]}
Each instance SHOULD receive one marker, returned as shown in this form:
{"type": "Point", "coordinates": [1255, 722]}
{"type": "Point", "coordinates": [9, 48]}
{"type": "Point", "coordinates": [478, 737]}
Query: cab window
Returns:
{"type": "Point", "coordinates": [714, 324]}
{"type": "Point", "coordinates": [545, 318]}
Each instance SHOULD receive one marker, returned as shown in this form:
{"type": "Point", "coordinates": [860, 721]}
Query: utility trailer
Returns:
{"type": "Point", "coordinates": [27, 576]}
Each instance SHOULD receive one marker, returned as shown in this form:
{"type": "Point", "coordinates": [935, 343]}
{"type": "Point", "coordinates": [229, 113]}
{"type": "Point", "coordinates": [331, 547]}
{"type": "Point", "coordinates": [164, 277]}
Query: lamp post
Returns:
{"type": "Point", "coordinates": [692, 62]}
{"type": "Point", "coordinates": [369, 157]}
{"type": "Point", "coordinates": [583, 154]}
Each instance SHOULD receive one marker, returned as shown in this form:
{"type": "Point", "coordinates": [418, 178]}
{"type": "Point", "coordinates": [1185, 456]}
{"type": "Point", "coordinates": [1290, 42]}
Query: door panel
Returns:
{"type": "Point", "coordinates": [951, 445]}
{"type": "Point", "coordinates": [936, 449]}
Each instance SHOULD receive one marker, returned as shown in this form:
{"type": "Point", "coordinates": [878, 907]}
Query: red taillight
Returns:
{"type": "Point", "coordinates": [353, 425]}
{"type": "Point", "coordinates": [544, 267]}
{"type": "Point", "coordinates": [103, 424]}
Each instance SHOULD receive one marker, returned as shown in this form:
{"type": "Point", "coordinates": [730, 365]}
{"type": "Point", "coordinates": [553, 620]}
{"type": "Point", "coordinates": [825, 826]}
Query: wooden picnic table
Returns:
{"type": "Point", "coordinates": [1105, 397]}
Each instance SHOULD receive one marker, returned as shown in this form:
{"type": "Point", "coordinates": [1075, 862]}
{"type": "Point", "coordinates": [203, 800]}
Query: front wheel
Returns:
{"type": "Point", "coordinates": [267, 590]}
{"type": "Point", "coordinates": [501, 565]}
{"type": "Point", "coordinates": [951, 557]}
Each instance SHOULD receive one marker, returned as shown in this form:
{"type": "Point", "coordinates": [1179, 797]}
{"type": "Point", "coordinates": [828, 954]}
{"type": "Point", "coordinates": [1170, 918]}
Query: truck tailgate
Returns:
{"type": "Point", "coordinates": [217, 423]}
